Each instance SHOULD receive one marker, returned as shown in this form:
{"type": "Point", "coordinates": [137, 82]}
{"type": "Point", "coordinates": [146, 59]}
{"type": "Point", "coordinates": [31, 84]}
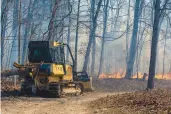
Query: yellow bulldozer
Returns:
{"type": "Point", "coordinates": [48, 72]}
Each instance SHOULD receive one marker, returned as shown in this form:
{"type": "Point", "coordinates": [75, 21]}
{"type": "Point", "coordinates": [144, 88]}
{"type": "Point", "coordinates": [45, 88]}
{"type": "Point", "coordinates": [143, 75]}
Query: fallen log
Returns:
{"type": "Point", "coordinates": [7, 73]}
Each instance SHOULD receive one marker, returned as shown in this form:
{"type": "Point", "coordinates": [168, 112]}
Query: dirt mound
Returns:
{"type": "Point", "coordinates": [154, 102]}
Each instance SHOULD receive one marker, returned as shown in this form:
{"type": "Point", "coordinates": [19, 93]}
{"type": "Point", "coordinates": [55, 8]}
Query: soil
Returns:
{"type": "Point", "coordinates": [104, 100]}
{"type": "Point", "coordinates": [38, 105]}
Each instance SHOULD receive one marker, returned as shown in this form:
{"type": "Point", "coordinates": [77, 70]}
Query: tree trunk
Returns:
{"type": "Point", "coordinates": [86, 61]}
{"type": "Point", "coordinates": [164, 52]}
{"type": "Point", "coordinates": [132, 53]}
{"type": "Point", "coordinates": [41, 18]}
{"type": "Point", "coordinates": [155, 37]}
{"type": "Point", "coordinates": [103, 42]}
{"type": "Point", "coordinates": [51, 23]}
{"type": "Point", "coordinates": [93, 56]}
{"type": "Point", "coordinates": [27, 30]}
{"type": "Point", "coordinates": [19, 31]}
{"type": "Point", "coordinates": [76, 39]}
{"type": "Point", "coordinates": [4, 18]}
{"type": "Point", "coordinates": [127, 34]}
{"type": "Point", "coordinates": [68, 37]}
{"type": "Point", "coordinates": [13, 54]}
{"type": "Point", "coordinates": [92, 32]}
{"type": "Point", "coordinates": [140, 37]}
{"type": "Point", "coordinates": [170, 67]}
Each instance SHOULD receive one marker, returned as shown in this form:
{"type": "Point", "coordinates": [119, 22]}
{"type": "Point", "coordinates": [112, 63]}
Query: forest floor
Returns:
{"type": "Point", "coordinates": [111, 96]}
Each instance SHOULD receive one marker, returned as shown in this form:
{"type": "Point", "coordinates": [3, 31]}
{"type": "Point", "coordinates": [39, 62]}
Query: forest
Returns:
{"type": "Point", "coordinates": [109, 39]}
{"type": "Point", "coordinates": [105, 36]}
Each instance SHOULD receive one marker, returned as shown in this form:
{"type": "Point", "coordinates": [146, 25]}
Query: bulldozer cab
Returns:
{"type": "Point", "coordinates": [41, 51]}
{"type": "Point", "coordinates": [48, 53]}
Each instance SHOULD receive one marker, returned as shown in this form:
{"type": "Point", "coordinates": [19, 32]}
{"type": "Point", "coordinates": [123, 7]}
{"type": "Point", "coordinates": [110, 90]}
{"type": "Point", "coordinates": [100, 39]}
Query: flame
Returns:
{"type": "Point", "coordinates": [118, 75]}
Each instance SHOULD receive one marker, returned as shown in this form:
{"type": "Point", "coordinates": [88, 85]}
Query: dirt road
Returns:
{"type": "Point", "coordinates": [73, 105]}
{"type": "Point", "coordinates": [37, 105]}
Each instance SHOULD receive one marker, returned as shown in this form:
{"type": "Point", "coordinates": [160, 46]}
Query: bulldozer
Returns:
{"type": "Point", "coordinates": [49, 73]}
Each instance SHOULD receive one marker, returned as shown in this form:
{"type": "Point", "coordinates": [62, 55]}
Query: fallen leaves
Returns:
{"type": "Point", "coordinates": [152, 101]}
{"type": "Point", "coordinates": [125, 85]}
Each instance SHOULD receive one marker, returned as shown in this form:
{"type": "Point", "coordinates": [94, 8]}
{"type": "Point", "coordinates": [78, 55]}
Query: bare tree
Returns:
{"type": "Point", "coordinates": [28, 25]}
{"type": "Point", "coordinates": [14, 33]}
{"type": "Point", "coordinates": [76, 39]}
{"type": "Point", "coordinates": [103, 41]}
{"type": "Point", "coordinates": [127, 35]}
{"type": "Point", "coordinates": [4, 19]}
{"type": "Point", "coordinates": [164, 50]}
{"type": "Point", "coordinates": [132, 52]}
{"type": "Point", "coordinates": [69, 33]}
{"type": "Point", "coordinates": [19, 31]}
{"type": "Point", "coordinates": [92, 32]}
{"type": "Point", "coordinates": [157, 17]}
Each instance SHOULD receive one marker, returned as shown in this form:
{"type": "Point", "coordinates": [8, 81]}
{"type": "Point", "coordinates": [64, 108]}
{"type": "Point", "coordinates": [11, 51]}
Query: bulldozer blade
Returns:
{"type": "Point", "coordinates": [88, 90]}
{"type": "Point", "coordinates": [88, 86]}
{"type": "Point", "coordinates": [86, 81]}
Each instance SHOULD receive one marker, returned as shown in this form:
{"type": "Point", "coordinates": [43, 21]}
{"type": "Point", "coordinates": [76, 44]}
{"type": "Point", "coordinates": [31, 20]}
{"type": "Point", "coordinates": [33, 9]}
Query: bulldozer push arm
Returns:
{"type": "Point", "coordinates": [19, 66]}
